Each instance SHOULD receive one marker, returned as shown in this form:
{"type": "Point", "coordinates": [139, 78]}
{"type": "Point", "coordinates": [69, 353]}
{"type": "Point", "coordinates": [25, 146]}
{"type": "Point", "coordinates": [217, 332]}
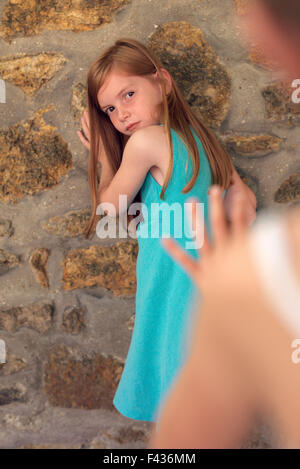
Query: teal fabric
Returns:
{"type": "Point", "coordinates": [165, 296]}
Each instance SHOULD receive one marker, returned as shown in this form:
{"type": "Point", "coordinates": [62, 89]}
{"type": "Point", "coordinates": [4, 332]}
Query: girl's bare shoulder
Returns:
{"type": "Point", "coordinates": [151, 137]}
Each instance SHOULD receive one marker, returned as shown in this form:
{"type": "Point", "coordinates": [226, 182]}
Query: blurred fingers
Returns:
{"type": "Point", "coordinates": [240, 219]}
{"type": "Point", "coordinates": [218, 216]}
{"type": "Point", "coordinates": [180, 255]}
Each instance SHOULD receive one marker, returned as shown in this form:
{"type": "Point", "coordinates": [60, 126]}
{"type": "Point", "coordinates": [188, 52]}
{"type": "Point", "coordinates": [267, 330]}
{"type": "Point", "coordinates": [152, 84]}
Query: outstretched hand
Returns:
{"type": "Point", "coordinates": [84, 133]}
{"type": "Point", "coordinates": [236, 189]}
{"type": "Point", "coordinates": [211, 252]}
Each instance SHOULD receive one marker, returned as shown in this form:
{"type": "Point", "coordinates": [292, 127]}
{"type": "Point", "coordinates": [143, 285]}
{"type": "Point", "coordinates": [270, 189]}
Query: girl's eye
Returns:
{"type": "Point", "coordinates": [129, 92]}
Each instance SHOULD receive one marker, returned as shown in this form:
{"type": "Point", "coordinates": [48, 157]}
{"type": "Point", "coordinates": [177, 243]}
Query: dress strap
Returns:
{"type": "Point", "coordinates": [270, 249]}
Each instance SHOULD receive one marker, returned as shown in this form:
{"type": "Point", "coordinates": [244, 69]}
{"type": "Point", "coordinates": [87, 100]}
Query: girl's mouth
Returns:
{"type": "Point", "coordinates": [132, 126]}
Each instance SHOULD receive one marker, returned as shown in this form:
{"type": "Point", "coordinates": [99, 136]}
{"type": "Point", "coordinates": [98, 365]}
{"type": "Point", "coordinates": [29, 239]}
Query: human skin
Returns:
{"type": "Point", "coordinates": [145, 106]}
{"type": "Point", "coordinates": [240, 364]}
{"type": "Point", "coordinates": [238, 317]}
{"type": "Point", "coordinates": [279, 43]}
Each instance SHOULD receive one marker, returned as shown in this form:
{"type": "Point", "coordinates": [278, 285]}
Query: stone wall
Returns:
{"type": "Point", "coordinates": [67, 303]}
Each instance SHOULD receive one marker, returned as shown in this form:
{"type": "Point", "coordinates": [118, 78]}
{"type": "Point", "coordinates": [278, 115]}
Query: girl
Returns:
{"type": "Point", "coordinates": [251, 367]}
{"type": "Point", "coordinates": [154, 149]}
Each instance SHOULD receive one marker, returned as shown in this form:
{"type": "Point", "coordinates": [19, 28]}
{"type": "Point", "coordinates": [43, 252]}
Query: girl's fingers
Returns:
{"type": "Point", "coordinates": [239, 217]}
{"type": "Point", "coordinates": [185, 260]}
{"type": "Point", "coordinates": [85, 124]}
{"type": "Point", "coordinates": [83, 140]}
{"type": "Point", "coordinates": [218, 216]}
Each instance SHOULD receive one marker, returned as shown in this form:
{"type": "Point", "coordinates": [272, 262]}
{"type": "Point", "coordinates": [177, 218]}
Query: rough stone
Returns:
{"type": "Point", "coordinates": [10, 394]}
{"type": "Point", "coordinates": [13, 365]}
{"type": "Point", "coordinates": [6, 228]}
{"type": "Point", "coordinates": [110, 267]}
{"type": "Point", "coordinates": [38, 262]}
{"type": "Point", "coordinates": [31, 17]}
{"type": "Point", "coordinates": [7, 261]}
{"type": "Point", "coordinates": [70, 224]}
{"type": "Point", "coordinates": [203, 80]}
{"type": "Point", "coordinates": [130, 433]}
{"type": "Point", "coordinates": [30, 72]}
{"type": "Point", "coordinates": [79, 102]}
{"type": "Point", "coordinates": [279, 104]}
{"type": "Point", "coordinates": [73, 379]}
{"type": "Point", "coordinates": [73, 319]}
{"type": "Point", "coordinates": [38, 317]}
{"type": "Point", "coordinates": [252, 146]}
{"type": "Point", "coordinates": [289, 191]}
{"type": "Point", "coordinates": [33, 157]}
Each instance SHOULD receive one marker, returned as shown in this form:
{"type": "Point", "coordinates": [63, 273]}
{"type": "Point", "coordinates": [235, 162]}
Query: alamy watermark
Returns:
{"type": "Point", "coordinates": [296, 353]}
{"type": "Point", "coordinates": [150, 226]}
{"type": "Point", "coordinates": [2, 92]}
{"type": "Point", "coordinates": [296, 93]}
{"type": "Point", "coordinates": [2, 351]}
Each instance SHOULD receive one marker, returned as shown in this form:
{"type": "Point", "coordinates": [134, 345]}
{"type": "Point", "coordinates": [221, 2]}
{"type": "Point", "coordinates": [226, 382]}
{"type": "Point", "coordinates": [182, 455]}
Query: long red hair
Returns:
{"type": "Point", "coordinates": [134, 58]}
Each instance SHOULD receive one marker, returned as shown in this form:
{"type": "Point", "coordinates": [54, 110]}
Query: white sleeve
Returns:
{"type": "Point", "coordinates": [271, 253]}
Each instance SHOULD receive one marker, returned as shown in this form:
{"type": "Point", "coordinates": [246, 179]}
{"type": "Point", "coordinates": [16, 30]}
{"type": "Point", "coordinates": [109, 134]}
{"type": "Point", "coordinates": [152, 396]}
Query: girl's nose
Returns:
{"type": "Point", "coordinates": [123, 114]}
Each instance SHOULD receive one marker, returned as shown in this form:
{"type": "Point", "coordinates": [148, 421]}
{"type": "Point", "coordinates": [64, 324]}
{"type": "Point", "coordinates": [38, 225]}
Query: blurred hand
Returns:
{"type": "Point", "coordinates": [213, 254]}
{"type": "Point", "coordinates": [84, 133]}
{"type": "Point", "coordinates": [238, 189]}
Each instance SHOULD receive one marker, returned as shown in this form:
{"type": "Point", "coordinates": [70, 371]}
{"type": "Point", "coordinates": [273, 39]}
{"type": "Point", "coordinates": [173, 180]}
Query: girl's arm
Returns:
{"type": "Point", "coordinates": [139, 155]}
{"type": "Point", "coordinates": [238, 189]}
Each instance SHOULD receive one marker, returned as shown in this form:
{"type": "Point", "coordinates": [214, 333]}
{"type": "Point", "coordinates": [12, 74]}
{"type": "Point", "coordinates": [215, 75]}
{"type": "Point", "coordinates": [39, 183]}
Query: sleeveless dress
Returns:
{"type": "Point", "coordinates": [165, 295]}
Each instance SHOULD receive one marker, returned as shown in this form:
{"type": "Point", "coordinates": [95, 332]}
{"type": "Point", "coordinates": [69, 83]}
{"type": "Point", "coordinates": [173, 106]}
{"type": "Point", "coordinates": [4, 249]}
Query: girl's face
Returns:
{"type": "Point", "coordinates": [130, 99]}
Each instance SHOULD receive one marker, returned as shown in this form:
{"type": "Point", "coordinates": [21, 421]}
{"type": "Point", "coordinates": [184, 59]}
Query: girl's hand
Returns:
{"type": "Point", "coordinates": [239, 188]}
{"type": "Point", "coordinates": [203, 270]}
{"type": "Point", "coordinates": [84, 133]}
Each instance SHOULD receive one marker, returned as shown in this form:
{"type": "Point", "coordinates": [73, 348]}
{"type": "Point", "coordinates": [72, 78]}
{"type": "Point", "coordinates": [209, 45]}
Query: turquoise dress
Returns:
{"type": "Point", "coordinates": [165, 295]}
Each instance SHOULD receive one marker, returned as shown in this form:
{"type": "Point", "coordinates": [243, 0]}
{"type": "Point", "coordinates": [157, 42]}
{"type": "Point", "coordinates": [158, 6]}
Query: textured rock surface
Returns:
{"type": "Point", "coordinates": [30, 72]}
{"type": "Point", "coordinates": [72, 379]}
{"type": "Point", "coordinates": [37, 317]}
{"type": "Point", "coordinates": [201, 77]}
{"type": "Point", "coordinates": [289, 191]}
{"type": "Point", "coordinates": [69, 225]}
{"type": "Point", "coordinates": [257, 145]}
{"type": "Point", "coordinates": [7, 261]}
{"type": "Point", "coordinates": [73, 320]}
{"type": "Point", "coordinates": [13, 365]}
{"type": "Point", "coordinates": [33, 157]}
{"type": "Point", "coordinates": [112, 268]}
{"type": "Point", "coordinates": [30, 17]}
{"type": "Point", "coordinates": [279, 105]}
{"type": "Point", "coordinates": [6, 228]}
{"type": "Point", "coordinates": [38, 262]}
{"type": "Point", "coordinates": [15, 393]}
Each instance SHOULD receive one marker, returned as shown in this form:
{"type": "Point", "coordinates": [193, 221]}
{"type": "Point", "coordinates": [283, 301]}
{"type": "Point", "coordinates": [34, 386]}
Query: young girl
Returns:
{"type": "Point", "coordinates": [152, 148]}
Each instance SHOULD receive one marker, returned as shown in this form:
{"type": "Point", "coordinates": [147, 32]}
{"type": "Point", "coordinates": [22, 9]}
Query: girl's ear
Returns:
{"type": "Point", "coordinates": [167, 78]}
